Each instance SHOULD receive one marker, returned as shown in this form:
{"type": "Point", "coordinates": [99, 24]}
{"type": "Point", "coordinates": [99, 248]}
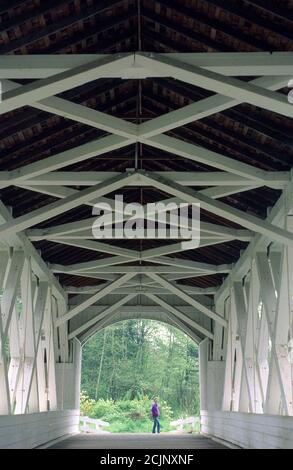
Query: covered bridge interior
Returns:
{"type": "Point", "coordinates": [177, 101]}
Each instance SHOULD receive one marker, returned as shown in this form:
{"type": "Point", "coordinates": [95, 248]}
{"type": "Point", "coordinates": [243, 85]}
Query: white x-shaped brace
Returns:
{"type": "Point", "coordinates": [231, 92]}
{"type": "Point", "coordinates": [39, 94]}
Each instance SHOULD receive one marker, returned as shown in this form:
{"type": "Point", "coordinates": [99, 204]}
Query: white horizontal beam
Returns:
{"type": "Point", "coordinates": [56, 268]}
{"type": "Point", "coordinates": [111, 277]}
{"type": "Point", "coordinates": [278, 179]}
{"type": "Point", "coordinates": [140, 289]}
{"type": "Point", "coordinates": [207, 238]}
{"type": "Point", "coordinates": [226, 63]}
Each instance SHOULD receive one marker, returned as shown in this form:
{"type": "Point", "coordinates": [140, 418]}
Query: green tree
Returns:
{"type": "Point", "coordinates": [142, 358]}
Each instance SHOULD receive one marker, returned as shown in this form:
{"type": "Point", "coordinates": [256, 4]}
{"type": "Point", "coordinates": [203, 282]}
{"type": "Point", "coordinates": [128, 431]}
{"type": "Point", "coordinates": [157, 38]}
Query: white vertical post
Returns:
{"type": "Point", "coordinates": [203, 370]}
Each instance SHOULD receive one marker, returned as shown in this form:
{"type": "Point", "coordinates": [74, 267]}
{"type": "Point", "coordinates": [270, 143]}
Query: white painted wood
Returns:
{"type": "Point", "coordinates": [203, 155]}
{"type": "Point", "coordinates": [227, 63]}
{"type": "Point", "coordinates": [11, 289]}
{"type": "Point", "coordinates": [69, 157]}
{"type": "Point", "coordinates": [249, 221]}
{"type": "Point", "coordinates": [249, 430]}
{"type": "Point", "coordinates": [102, 315]}
{"type": "Point", "coordinates": [99, 295]}
{"type": "Point", "coordinates": [20, 242]}
{"type": "Point", "coordinates": [55, 208]}
{"type": "Point", "coordinates": [235, 88]}
{"type": "Point", "coordinates": [58, 83]}
{"type": "Point", "coordinates": [202, 109]}
{"type": "Point", "coordinates": [180, 293]}
{"type": "Point", "coordinates": [180, 315]}
{"type": "Point", "coordinates": [276, 179]}
{"type": "Point", "coordinates": [276, 217]}
{"type": "Point", "coordinates": [32, 430]}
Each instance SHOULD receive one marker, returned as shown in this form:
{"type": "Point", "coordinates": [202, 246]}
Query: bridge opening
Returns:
{"type": "Point", "coordinates": [127, 364]}
{"type": "Point", "coordinates": [146, 104]}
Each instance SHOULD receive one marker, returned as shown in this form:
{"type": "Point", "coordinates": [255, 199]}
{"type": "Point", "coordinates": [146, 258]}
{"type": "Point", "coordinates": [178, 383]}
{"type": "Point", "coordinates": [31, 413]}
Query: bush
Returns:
{"type": "Point", "coordinates": [125, 415]}
{"type": "Point", "coordinates": [86, 405]}
{"type": "Point", "coordinates": [103, 408]}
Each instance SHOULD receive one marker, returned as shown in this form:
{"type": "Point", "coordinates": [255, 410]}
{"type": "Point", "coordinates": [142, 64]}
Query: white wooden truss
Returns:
{"type": "Point", "coordinates": [249, 324]}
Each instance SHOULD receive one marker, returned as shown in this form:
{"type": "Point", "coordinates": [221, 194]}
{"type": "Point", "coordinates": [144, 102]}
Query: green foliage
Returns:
{"type": "Point", "coordinates": [125, 415]}
{"type": "Point", "coordinates": [86, 404]}
{"type": "Point", "coordinates": [127, 364]}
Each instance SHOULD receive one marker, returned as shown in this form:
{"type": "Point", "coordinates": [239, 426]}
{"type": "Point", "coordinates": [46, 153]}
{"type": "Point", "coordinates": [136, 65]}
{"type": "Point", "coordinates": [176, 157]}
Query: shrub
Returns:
{"type": "Point", "coordinates": [86, 404]}
{"type": "Point", "coordinates": [103, 408]}
{"type": "Point", "coordinates": [125, 415]}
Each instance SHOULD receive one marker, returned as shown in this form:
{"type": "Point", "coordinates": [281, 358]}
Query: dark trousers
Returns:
{"type": "Point", "coordinates": [156, 426]}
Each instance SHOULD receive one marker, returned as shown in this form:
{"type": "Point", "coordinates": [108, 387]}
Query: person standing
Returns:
{"type": "Point", "coordinates": [155, 416]}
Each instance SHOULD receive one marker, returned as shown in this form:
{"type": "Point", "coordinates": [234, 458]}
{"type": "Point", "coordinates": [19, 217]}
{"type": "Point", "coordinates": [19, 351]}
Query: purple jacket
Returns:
{"type": "Point", "coordinates": [155, 410]}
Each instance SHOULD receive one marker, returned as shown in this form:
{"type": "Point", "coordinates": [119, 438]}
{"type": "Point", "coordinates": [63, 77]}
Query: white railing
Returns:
{"type": "Point", "coordinates": [97, 424]}
{"type": "Point", "coordinates": [179, 424]}
{"type": "Point", "coordinates": [249, 430]}
{"type": "Point", "coordinates": [27, 431]}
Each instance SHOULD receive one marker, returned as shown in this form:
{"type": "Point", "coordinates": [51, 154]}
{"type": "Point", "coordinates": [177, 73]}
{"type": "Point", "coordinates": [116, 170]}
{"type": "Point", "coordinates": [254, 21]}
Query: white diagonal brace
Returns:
{"type": "Point", "coordinates": [228, 86]}
{"type": "Point", "coordinates": [39, 266]}
{"type": "Point", "coordinates": [221, 209]}
{"type": "Point", "coordinates": [70, 202]}
{"type": "Point", "coordinates": [82, 114]}
{"type": "Point", "coordinates": [96, 266]}
{"type": "Point", "coordinates": [100, 247]}
{"type": "Point", "coordinates": [69, 157]}
{"type": "Point", "coordinates": [224, 191]}
{"type": "Point", "coordinates": [238, 303]}
{"type": "Point", "coordinates": [180, 315]}
{"type": "Point", "coordinates": [60, 82]}
{"type": "Point", "coordinates": [11, 289]}
{"type": "Point", "coordinates": [189, 264]}
{"type": "Point", "coordinates": [270, 301]}
{"type": "Point", "coordinates": [202, 109]}
{"type": "Point", "coordinates": [112, 308]}
{"type": "Point", "coordinates": [180, 293]}
{"type": "Point", "coordinates": [99, 295]}
{"type": "Point", "coordinates": [39, 312]}
{"type": "Point", "coordinates": [208, 157]}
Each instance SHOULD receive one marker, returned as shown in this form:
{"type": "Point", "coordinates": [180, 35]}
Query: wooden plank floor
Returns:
{"type": "Point", "coordinates": [137, 441]}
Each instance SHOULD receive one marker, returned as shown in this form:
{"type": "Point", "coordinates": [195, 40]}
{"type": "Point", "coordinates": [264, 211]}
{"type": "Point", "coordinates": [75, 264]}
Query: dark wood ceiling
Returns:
{"type": "Point", "coordinates": [245, 133]}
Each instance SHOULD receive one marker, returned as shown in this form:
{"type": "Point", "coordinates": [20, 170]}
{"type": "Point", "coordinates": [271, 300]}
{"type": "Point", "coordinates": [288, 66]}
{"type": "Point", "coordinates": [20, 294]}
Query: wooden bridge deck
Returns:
{"type": "Point", "coordinates": [137, 441]}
